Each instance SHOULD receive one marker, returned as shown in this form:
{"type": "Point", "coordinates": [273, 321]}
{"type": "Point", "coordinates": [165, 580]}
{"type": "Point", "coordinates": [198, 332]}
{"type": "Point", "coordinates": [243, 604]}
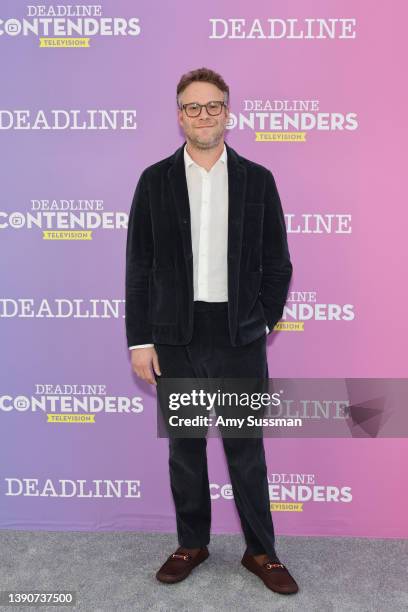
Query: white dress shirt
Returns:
{"type": "Point", "coordinates": [208, 197]}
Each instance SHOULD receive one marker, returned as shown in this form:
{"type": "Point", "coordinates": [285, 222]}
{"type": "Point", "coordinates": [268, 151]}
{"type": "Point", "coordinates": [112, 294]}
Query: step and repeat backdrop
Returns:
{"type": "Point", "coordinates": [88, 100]}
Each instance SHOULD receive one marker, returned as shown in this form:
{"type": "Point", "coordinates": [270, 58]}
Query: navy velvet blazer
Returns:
{"type": "Point", "coordinates": [159, 257]}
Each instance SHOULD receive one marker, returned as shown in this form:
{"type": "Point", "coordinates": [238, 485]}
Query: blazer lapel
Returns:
{"type": "Point", "coordinates": [236, 200]}
{"type": "Point", "coordinates": [178, 184]}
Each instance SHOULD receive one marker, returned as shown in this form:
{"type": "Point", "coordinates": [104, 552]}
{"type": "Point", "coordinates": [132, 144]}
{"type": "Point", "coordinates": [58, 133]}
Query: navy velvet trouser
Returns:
{"type": "Point", "coordinates": [210, 355]}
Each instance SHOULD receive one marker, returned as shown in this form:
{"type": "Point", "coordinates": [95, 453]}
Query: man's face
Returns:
{"type": "Point", "coordinates": [204, 131]}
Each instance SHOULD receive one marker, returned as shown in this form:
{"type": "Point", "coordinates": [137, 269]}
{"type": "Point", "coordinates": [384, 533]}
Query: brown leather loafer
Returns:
{"type": "Point", "coordinates": [179, 565]}
{"type": "Point", "coordinates": [274, 574]}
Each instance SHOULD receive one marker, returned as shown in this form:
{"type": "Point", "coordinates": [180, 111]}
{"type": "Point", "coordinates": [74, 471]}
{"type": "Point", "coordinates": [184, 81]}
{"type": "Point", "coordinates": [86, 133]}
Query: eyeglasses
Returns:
{"type": "Point", "coordinates": [193, 109]}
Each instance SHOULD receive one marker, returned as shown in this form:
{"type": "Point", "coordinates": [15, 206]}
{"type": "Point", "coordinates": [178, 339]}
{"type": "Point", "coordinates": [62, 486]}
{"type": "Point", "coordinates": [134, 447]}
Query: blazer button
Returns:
{"type": "Point", "coordinates": [184, 220]}
{"type": "Point", "coordinates": [260, 268]}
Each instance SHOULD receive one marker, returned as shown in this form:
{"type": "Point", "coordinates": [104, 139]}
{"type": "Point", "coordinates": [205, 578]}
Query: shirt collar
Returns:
{"type": "Point", "coordinates": [188, 160]}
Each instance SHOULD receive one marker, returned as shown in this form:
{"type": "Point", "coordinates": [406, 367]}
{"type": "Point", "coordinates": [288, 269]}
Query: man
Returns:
{"type": "Point", "coordinates": [207, 276]}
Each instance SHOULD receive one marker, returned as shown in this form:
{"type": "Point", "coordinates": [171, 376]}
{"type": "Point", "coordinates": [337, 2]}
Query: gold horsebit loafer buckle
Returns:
{"type": "Point", "coordinates": [186, 556]}
{"type": "Point", "coordinates": [271, 565]}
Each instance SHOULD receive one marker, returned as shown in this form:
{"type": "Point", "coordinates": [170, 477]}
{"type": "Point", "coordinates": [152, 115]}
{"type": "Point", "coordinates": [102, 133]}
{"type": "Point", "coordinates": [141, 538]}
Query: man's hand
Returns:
{"type": "Point", "coordinates": [142, 360]}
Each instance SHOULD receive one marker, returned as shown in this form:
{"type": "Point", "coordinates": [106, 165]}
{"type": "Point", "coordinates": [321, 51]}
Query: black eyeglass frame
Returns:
{"type": "Point", "coordinates": [221, 102]}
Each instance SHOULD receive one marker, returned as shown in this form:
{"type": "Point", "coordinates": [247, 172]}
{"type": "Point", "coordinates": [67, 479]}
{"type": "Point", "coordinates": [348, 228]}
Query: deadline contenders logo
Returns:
{"type": "Point", "coordinates": [289, 492]}
{"type": "Point", "coordinates": [72, 26]}
{"type": "Point", "coordinates": [73, 403]}
{"type": "Point", "coordinates": [65, 219]}
{"type": "Point", "coordinates": [303, 306]}
{"type": "Point", "coordinates": [288, 120]}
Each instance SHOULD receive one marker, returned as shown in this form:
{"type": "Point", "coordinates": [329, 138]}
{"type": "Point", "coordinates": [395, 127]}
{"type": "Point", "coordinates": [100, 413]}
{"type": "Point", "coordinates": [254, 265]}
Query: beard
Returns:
{"type": "Point", "coordinates": [206, 142]}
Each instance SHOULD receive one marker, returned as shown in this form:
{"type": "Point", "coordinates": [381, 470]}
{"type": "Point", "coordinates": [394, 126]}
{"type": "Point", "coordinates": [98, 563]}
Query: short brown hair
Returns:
{"type": "Point", "coordinates": [206, 75]}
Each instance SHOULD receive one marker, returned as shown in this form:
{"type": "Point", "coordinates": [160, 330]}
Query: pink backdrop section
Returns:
{"type": "Point", "coordinates": [350, 172]}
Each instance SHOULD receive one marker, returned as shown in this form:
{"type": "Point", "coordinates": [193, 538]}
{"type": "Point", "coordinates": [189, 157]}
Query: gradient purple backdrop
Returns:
{"type": "Point", "coordinates": [358, 172]}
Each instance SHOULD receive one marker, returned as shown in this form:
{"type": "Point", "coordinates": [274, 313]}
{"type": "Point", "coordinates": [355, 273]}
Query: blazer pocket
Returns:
{"type": "Point", "coordinates": [163, 296]}
{"type": "Point", "coordinates": [252, 288]}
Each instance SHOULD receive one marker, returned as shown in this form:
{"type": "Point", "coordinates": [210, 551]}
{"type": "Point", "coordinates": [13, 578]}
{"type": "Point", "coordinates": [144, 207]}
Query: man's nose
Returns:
{"type": "Point", "coordinates": [204, 114]}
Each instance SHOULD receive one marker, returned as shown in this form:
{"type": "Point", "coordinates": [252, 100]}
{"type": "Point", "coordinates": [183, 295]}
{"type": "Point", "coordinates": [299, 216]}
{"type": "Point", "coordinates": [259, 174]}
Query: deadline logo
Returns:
{"type": "Point", "coordinates": [66, 487]}
{"type": "Point", "coordinates": [275, 28]}
{"type": "Point", "coordinates": [70, 403]}
{"type": "Point", "coordinates": [61, 308]}
{"type": "Point", "coordinates": [58, 26]}
{"type": "Point", "coordinates": [288, 120]}
{"type": "Point", "coordinates": [65, 219]}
